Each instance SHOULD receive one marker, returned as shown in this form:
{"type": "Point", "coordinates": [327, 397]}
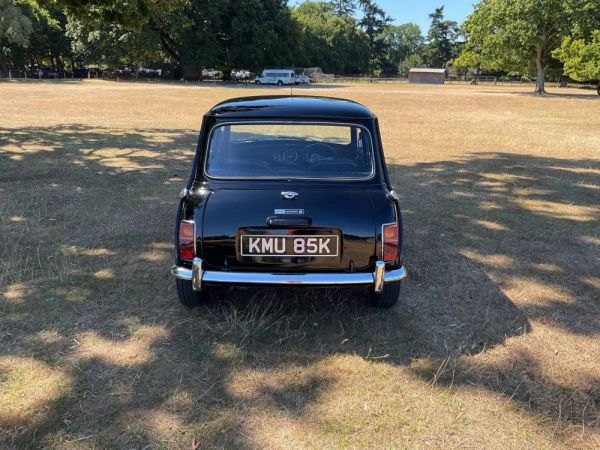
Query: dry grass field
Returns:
{"type": "Point", "coordinates": [495, 343]}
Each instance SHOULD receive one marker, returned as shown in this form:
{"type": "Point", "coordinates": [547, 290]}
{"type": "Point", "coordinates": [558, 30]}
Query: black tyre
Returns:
{"type": "Point", "coordinates": [258, 82]}
{"type": "Point", "coordinates": [187, 296]}
{"type": "Point", "coordinates": [387, 298]}
{"type": "Point", "coordinates": [280, 83]}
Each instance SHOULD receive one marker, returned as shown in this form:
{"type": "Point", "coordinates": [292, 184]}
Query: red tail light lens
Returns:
{"type": "Point", "coordinates": [390, 242]}
{"type": "Point", "coordinates": [187, 239]}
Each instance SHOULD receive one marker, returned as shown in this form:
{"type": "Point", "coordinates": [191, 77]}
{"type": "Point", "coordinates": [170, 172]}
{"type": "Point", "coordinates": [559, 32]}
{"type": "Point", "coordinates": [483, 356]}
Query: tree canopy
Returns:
{"type": "Point", "coordinates": [440, 39]}
{"type": "Point", "coordinates": [329, 40]}
{"type": "Point", "coordinates": [343, 7]}
{"type": "Point", "coordinates": [401, 42]}
{"type": "Point", "coordinates": [374, 22]}
{"type": "Point", "coordinates": [340, 36]}
{"type": "Point", "coordinates": [519, 35]}
{"type": "Point", "coordinates": [581, 60]}
{"type": "Point", "coordinates": [38, 35]}
{"type": "Point", "coordinates": [15, 26]}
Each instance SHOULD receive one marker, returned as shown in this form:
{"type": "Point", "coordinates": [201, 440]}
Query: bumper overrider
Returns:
{"type": "Point", "coordinates": [200, 277]}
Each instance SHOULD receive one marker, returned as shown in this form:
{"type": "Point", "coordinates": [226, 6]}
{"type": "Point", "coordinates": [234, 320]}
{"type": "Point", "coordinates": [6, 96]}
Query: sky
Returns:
{"type": "Point", "coordinates": [417, 11]}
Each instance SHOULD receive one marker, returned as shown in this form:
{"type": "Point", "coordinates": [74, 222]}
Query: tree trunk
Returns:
{"type": "Point", "coordinates": [541, 72]}
{"type": "Point", "coordinates": [169, 46]}
{"type": "Point", "coordinates": [166, 42]}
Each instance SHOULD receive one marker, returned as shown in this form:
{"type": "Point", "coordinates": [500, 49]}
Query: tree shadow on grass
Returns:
{"type": "Point", "coordinates": [89, 296]}
{"type": "Point", "coordinates": [530, 226]}
{"type": "Point", "coordinates": [578, 94]}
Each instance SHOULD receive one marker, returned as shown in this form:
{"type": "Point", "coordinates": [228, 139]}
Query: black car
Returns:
{"type": "Point", "coordinates": [289, 191]}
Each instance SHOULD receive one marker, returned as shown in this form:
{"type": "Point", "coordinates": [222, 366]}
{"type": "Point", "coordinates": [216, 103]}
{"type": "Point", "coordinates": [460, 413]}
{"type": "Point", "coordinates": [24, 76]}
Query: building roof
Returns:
{"type": "Point", "coordinates": [291, 107]}
{"type": "Point", "coordinates": [426, 70]}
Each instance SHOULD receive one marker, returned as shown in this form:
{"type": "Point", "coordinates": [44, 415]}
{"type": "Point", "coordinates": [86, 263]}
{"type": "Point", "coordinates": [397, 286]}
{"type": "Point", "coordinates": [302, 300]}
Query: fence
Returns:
{"type": "Point", "coordinates": [45, 74]}
{"type": "Point", "coordinates": [12, 73]}
{"type": "Point", "coordinates": [324, 78]}
{"type": "Point", "coordinates": [359, 79]}
{"type": "Point", "coordinates": [64, 75]}
{"type": "Point", "coordinates": [496, 81]}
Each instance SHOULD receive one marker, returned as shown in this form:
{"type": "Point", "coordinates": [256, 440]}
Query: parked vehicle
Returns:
{"type": "Point", "coordinates": [45, 72]}
{"type": "Point", "coordinates": [241, 74]}
{"type": "Point", "coordinates": [276, 76]}
{"type": "Point", "coordinates": [289, 191]}
{"type": "Point", "coordinates": [80, 73]}
{"type": "Point", "coordinates": [211, 73]}
{"type": "Point", "coordinates": [303, 79]}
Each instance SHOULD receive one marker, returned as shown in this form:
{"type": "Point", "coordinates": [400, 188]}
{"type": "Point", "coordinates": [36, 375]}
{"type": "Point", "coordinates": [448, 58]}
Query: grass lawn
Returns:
{"type": "Point", "coordinates": [495, 342]}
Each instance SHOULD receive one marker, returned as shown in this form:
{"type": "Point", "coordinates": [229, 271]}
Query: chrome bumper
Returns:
{"type": "Point", "coordinates": [199, 277]}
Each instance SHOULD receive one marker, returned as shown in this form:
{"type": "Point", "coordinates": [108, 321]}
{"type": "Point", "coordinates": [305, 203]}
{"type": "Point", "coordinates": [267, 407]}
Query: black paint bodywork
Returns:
{"type": "Point", "coordinates": [353, 210]}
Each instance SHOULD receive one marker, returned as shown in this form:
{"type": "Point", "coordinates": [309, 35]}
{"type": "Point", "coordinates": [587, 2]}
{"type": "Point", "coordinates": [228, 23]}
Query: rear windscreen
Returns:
{"type": "Point", "coordinates": [289, 150]}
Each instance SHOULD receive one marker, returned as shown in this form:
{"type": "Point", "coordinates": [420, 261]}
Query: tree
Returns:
{"type": "Point", "coordinates": [201, 33]}
{"type": "Point", "coordinates": [468, 60]}
{"type": "Point", "coordinates": [519, 35]}
{"type": "Point", "coordinates": [400, 42]}
{"type": "Point", "coordinates": [408, 63]}
{"type": "Point", "coordinates": [373, 23]}
{"type": "Point", "coordinates": [256, 34]}
{"type": "Point", "coordinates": [15, 26]}
{"type": "Point", "coordinates": [581, 60]}
{"type": "Point", "coordinates": [142, 17]}
{"type": "Point", "coordinates": [328, 40]}
{"type": "Point", "coordinates": [46, 43]}
{"type": "Point", "coordinates": [343, 7]}
{"type": "Point", "coordinates": [110, 44]}
{"type": "Point", "coordinates": [224, 34]}
{"type": "Point", "coordinates": [440, 38]}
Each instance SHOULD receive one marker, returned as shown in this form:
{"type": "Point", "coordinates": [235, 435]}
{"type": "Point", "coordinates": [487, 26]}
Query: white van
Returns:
{"type": "Point", "coordinates": [276, 76]}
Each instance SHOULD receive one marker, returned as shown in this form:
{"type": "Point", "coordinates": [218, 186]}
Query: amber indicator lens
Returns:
{"type": "Point", "coordinates": [390, 242]}
{"type": "Point", "coordinates": [187, 232]}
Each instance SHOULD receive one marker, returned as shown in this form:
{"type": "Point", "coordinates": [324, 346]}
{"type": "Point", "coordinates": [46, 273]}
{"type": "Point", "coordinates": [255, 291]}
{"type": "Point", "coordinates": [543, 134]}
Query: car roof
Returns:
{"type": "Point", "coordinates": [291, 106]}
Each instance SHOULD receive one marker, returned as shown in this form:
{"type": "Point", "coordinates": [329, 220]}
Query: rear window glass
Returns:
{"type": "Point", "coordinates": [288, 151]}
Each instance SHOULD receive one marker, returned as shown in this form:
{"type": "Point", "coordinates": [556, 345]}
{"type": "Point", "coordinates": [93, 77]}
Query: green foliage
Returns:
{"type": "Point", "coordinates": [468, 59]}
{"type": "Point", "coordinates": [507, 34]}
{"type": "Point", "coordinates": [97, 43]}
{"type": "Point", "coordinates": [46, 43]}
{"type": "Point", "coordinates": [343, 7]}
{"type": "Point", "coordinates": [373, 23]}
{"type": "Point", "coordinates": [332, 42]}
{"type": "Point", "coordinates": [519, 35]}
{"type": "Point", "coordinates": [15, 26]}
{"type": "Point", "coordinates": [581, 60]}
{"type": "Point", "coordinates": [441, 38]}
{"type": "Point", "coordinates": [250, 34]}
{"type": "Point", "coordinates": [401, 41]}
{"type": "Point", "coordinates": [192, 33]}
{"type": "Point", "coordinates": [414, 60]}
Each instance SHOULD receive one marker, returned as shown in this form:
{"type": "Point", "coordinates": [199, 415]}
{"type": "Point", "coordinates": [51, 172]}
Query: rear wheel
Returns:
{"type": "Point", "coordinates": [187, 296]}
{"type": "Point", "coordinates": [280, 83]}
{"type": "Point", "coordinates": [258, 82]}
{"type": "Point", "coordinates": [387, 298]}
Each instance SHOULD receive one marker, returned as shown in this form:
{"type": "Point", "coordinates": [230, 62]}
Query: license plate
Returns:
{"type": "Point", "coordinates": [293, 245]}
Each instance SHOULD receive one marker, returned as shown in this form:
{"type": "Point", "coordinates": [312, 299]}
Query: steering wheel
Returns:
{"type": "Point", "coordinates": [318, 152]}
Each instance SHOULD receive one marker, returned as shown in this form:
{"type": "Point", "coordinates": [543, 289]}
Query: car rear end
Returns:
{"type": "Point", "coordinates": [279, 202]}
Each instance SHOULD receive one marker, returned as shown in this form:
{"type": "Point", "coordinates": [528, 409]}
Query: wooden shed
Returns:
{"type": "Point", "coordinates": [429, 76]}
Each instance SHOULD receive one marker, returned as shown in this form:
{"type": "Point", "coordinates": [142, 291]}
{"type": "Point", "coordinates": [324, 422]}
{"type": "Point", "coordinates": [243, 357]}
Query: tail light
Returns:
{"type": "Point", "coordinates": [391, 239]}
{"type": "Point", "coordinates": [187, 239]}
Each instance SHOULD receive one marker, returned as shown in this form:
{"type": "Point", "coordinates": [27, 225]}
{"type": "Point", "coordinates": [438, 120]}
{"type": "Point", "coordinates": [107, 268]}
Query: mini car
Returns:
{"type": "Point", "coordinates": [289, 191]}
